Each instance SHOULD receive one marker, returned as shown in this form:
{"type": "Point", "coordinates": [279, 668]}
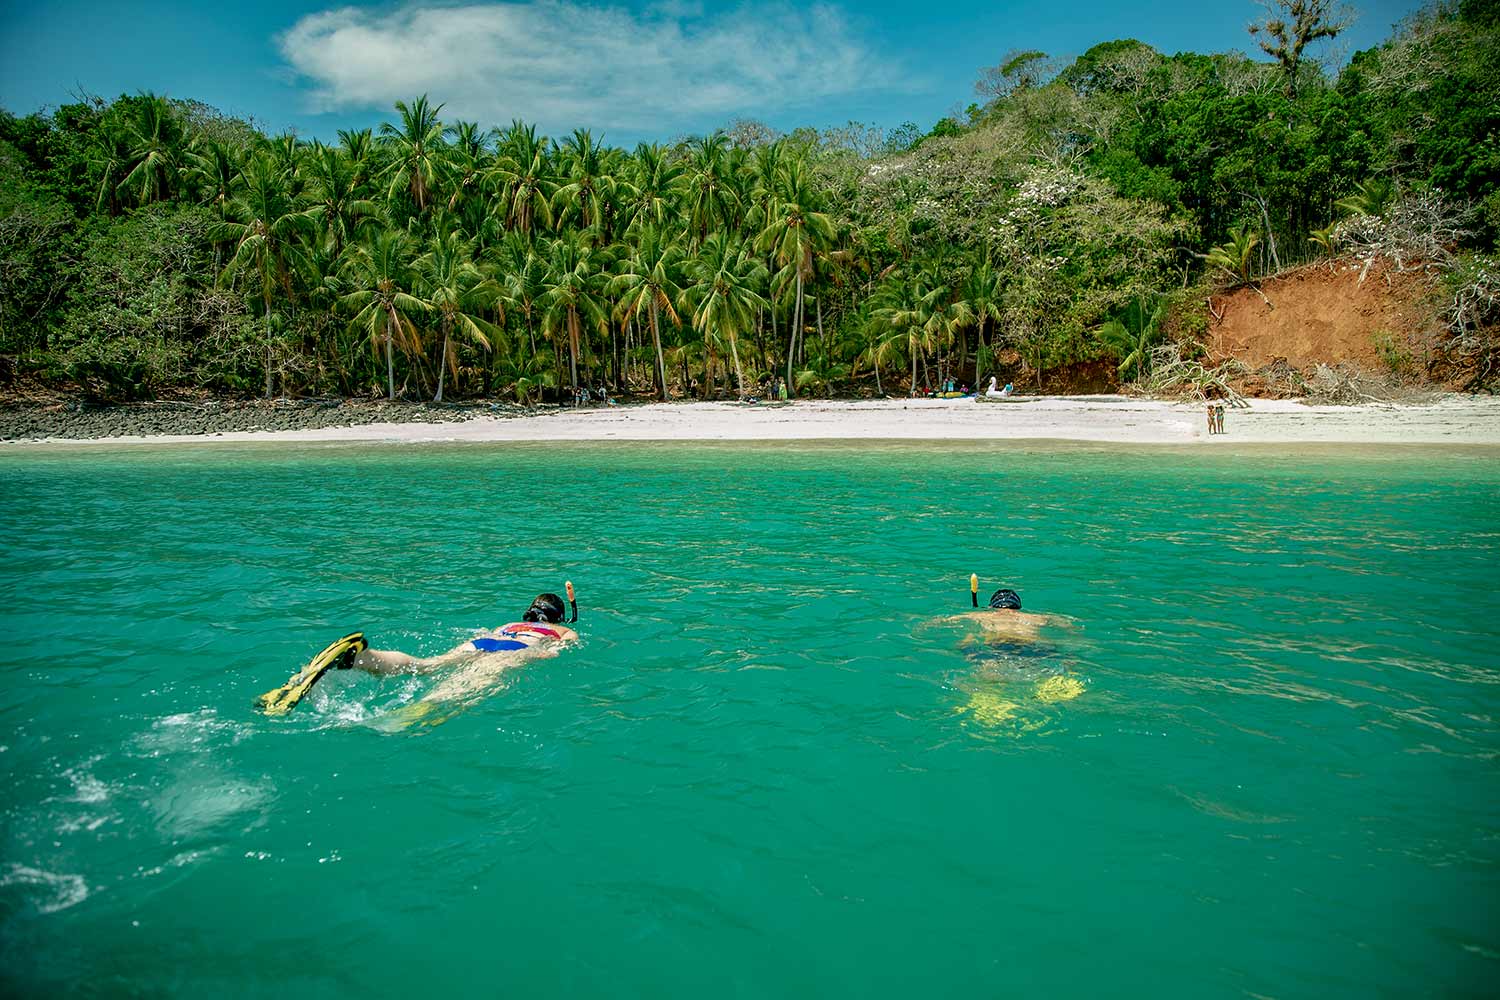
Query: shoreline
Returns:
{"type": "Point", "coordinates": [1453, 419]}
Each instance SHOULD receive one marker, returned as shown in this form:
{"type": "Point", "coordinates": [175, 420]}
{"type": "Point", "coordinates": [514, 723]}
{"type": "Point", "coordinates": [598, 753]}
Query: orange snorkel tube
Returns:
{"type": "Point", "coordinates": [573, 602]}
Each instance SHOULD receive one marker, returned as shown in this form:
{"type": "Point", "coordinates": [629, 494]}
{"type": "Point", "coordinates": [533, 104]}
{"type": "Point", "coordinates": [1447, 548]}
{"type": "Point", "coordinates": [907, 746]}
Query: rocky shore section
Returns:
{"type": "Point", "coordinates": [80, 421]}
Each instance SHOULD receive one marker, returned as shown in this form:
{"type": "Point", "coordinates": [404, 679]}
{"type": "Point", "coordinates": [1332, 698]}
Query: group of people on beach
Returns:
{"type": "Point", "coordinates": [1216, 418]}
{"type": "Point", "coordinates": [584, 395]}
{"type": "Point", "coordinates": [952, 388]}
{"type": "Point", "coordinates": [772, 388]}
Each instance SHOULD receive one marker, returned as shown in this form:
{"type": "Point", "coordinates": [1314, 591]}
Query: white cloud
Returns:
{"type": "Point", "coordinates": [565, 63]}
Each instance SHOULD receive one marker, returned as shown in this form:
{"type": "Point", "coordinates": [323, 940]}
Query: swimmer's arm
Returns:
{"type": "Point", "coordinates": [959, 619]}
{"type": "Point", "coordinates": [966, 616]}
{"type": "Point", "coordinates": [1004, 618]}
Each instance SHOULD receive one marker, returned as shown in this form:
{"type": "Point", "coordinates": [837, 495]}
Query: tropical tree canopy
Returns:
{"type": "Point", "coordinates": [150, 244]}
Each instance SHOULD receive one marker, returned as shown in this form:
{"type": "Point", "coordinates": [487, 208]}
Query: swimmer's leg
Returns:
{"type": "Point", "coordinates": [417, 713]}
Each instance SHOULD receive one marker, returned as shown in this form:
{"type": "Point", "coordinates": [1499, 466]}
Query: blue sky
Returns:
{"type": "Point", "coordinates": [632, 70]}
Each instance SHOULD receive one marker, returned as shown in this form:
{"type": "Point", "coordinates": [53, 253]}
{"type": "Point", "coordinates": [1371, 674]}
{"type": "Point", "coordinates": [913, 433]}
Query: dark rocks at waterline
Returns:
{"type": "Point", "coordinates": [80, 421]}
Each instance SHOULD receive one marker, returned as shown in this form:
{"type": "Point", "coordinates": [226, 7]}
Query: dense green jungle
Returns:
{"type": "Point", "coordinates": [1069, 221]}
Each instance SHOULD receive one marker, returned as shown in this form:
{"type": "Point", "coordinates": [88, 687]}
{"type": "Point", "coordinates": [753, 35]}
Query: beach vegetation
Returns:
{"type": "Point", "coordinates": [150, 244]}
{"type": "Point", "coordinates": [1131, 336]}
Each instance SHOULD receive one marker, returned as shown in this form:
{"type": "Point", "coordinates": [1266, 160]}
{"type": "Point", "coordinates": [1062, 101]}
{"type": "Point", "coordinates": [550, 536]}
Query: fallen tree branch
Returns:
{"type": "Point", "coordinates": [1175, 376]}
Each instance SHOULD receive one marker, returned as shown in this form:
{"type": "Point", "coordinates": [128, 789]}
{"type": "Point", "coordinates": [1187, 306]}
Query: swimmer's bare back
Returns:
{"type": "Point", "coordinates": [1009, 624]}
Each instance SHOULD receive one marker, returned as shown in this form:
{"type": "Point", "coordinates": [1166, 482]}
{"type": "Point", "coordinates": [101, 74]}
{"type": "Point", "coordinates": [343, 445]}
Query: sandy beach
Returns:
{"type": "Point", "coordinates": [1450, 420]}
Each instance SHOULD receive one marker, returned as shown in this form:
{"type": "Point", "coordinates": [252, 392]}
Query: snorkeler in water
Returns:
{"type": "Point", "coordinates": [475, 664]}
{"type": "Point", "coordinates": [1003, 618]}
{"type": "Point", "coordinates": [1015, 667]}
{"type": "Point", "coordinates": [540, 632]}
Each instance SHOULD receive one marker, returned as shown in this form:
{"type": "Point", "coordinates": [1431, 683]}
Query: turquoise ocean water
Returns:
{"type": "Point", "coordinates": [761, 774]}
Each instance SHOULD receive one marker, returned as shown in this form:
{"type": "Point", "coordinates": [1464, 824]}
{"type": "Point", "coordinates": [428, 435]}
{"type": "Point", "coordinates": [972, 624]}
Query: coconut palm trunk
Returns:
{"type": "Point", "coordinates": [739, 375]}
{"type": "Point", "coordinates": [791, 349]}
{"type": "Point", "coordinates": [573, 345]}
{"type": "Point", "coordinates": [390, 368]}
{"type": "Point", "coordinates": [442, 365]}
{"type": "Point", "coordinates": [775, 334]}
{"type": "Point", "coordinates": [268, 347]}
{"type": "Point", "coordinates": [661, 364]}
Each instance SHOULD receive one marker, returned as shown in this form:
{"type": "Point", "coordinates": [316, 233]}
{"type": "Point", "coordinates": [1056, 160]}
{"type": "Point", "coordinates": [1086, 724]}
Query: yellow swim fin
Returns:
{"type": "Point", "coordinates": [283, 699]}
{"type": "Point", "coordinates": [1059, 688]}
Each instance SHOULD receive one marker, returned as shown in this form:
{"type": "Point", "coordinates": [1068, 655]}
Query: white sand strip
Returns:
{"type": "Point", "coordinates": [1452, 420]}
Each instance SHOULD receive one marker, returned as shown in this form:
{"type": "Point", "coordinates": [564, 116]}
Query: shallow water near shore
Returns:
{"type": "Point", "coordinates": [762, 773]}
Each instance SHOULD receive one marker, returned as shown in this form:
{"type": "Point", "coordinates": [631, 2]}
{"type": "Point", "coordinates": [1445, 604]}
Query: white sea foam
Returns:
{"type": "Point", "coordinates": [53, 891]}
{"type": "Point", "coordinates": [86, 787]}
{"type": "Point", "coordinates": [191, 731]}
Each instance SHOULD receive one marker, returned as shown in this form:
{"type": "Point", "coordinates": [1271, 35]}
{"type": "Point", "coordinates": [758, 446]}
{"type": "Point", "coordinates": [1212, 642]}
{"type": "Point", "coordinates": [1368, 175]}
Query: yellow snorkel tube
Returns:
{"type": "Point", "coordinates": [572, 600]}
{"type": "Point", "coordinates": [974, 588]}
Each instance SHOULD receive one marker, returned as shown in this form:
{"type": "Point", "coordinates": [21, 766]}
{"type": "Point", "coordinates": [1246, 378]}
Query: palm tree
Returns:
{"type": "Point", "coordinates": [154, 138]}
{"type": "Point", "coordinates": [1370, 197]}
{"type": "Point", "coordinates": [709, 193]}
{"type": "Point", "coordinates": [526, 372]}
{"type": "Point", "coordinates": [1324, 239]}
{"type": "Point", "coordinates": [920, 311]}
{"type": "Point", "coordinates": [521, 272]}
{"type": "Point", "coordinates": [1236, 257]}
{"type": "Point", "coordinates": [268, 229]}
{"type": "Point", "coordinates": [655, 189]}
{"type": "Point", "coordinates": [466, 163]}
{"type": "Point", "coordinates": [983, 291]}
{"type": "Point", "coordinates": [358, 147]}
{"type": "Point", "coordinates": [470, 140]}
{"type": "Point", "coordinates": [215, 172]}
{"type": "Point", "coordinates": [587, 187]}
{"type": "Point", "coordinates": [455, 290]}
{"type": "Point", "coordinates": [725, 297]}
{"type": "Point", "coordinates": [650, 278]}
{"type": "Point", "coordinates": [416, 151]}
{"type": "Point", "coordinates": [766, 178]}
{"type": "Point", "coordinates": [324, 286]}
{"type": "Point", "coordinates": [884, 341]}
{"type": "Point", "coordinates": [335, 190]}
{"type": "Point", "coordinates": [1130, 335]}
{"type": "Point", "coordinates": [943, 315]}
{"type": "Point", "coordinates": [380, 274]}
{"type": "Point", "coordinates": [285, 152]}
{"type": "Point", "coordinates": [794, 231]}
{"type": "Point", "coordinates": [572, 303]}
{"type": "Point", "coordinates": [521, 180]}
{"type": "Point", "coordinates": [110, 156]}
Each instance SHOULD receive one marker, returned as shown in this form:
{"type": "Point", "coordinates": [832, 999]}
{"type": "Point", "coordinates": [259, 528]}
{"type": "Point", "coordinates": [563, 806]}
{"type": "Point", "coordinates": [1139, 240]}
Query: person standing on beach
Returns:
{"type": "Point", "coordinates": [1212, 424]}
{"type": "Point", "coordinates": [1219, 416]}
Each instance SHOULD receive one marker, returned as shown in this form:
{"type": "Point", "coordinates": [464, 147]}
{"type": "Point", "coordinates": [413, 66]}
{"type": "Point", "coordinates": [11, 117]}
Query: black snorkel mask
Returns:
{"type": "Point", "coordinates": [1003, 599]}
{"type": "Point", "coordinates": [549, 608]}
{"type": "Point", "coordinates": [1006, 600]}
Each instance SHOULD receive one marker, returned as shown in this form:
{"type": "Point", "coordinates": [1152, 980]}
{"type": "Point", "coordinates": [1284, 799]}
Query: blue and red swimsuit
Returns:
{"type": "Point", "coordinates": [508, 637]}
